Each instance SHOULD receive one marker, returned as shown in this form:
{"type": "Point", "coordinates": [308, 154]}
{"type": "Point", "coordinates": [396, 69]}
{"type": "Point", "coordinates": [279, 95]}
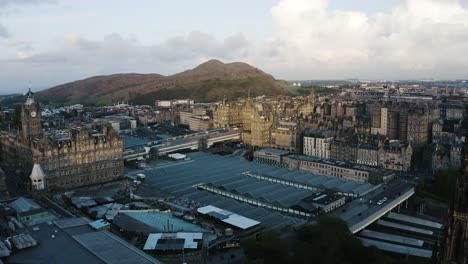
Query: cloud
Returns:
{"type": "Point", "coordinates": [417, 38]}
{"type": "Point", "coordinates": [122, 51]}
{"type": "Point", "coordinates": [4, 33]}
{"type": "Point", "coordinates": [78, 57]}
{"type": "Point", "coordinates": [6, 3]}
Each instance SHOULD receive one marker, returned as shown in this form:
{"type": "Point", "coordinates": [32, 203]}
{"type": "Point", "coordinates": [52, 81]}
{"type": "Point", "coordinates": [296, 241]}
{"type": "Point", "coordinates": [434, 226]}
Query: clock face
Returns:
{"type": "Point", "coordinates": [33, 114]}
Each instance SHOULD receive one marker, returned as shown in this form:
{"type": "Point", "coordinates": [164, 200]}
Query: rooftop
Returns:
{"type": "Point", "coordinates": [164, 222]}
{"type": "Point", "coordinates": [23, 205]}
{"type": "Point", "coordinates": [230, 173]}
{"type": "Point", "coordinates": [72, 241]}
{"type": "Point", "coordinates": [228, 217]}
{"type": "Point", "coordinates": [273, 152]}
{"type": "Point", "coordinates": [172, 241]}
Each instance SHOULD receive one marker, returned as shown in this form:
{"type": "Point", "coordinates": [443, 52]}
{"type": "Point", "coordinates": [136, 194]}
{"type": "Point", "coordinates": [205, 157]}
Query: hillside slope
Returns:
{"type": "Point", "coordinates": [209, 81]}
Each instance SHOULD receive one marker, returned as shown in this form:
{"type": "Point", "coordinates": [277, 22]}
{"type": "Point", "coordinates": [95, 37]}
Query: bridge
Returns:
{"type": "Point", "coordinates": [384, 226]}
{"type": "Point", "coordinates": [195, 141]}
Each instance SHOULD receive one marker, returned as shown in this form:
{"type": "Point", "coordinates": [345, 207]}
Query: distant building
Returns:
{"type": "Point", "coordinates": [171, 103]}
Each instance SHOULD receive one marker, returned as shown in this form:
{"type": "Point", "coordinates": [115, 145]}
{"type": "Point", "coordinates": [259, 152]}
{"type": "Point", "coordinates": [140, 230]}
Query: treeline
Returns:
{"type": "Point", "coordinates": [328, 241]}
{"type": "Point", "coordinates": [440, 187]}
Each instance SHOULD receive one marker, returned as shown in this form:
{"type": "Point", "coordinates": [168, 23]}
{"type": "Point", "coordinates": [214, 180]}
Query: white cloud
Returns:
{"type": "Point", "coordinates": [78, 57]}
{"type": "Point", "coordinates": [415, 39]}
{"type": "Point", "coordinates": [6, 3]}
{"type": "Point", "coordinates": [4, 33]}
{"type": "Point", "coordinates": [418, 38]}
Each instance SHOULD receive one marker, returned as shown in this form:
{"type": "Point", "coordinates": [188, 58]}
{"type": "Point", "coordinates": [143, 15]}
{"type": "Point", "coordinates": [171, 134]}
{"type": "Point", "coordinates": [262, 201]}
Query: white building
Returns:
{"type": "Point", "coordinates": [318, 144]}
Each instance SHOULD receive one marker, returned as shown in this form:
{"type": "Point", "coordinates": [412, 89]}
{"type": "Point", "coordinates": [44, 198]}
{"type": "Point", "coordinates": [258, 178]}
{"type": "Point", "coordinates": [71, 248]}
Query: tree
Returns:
{"type": "Point", "coordinates": [328, 241]}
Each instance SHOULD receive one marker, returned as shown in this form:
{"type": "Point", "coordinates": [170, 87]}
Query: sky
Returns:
{"type": "Point", "coordinates": [44, 43]}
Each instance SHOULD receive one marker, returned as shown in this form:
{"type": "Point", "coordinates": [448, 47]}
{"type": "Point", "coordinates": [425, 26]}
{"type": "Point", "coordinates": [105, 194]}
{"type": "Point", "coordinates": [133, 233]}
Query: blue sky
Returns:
{"type": "Point", "coordinates": [48, 42]}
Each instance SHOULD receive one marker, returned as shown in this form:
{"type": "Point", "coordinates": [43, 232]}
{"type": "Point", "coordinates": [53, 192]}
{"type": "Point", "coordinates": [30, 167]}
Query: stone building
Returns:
{"type": "Point", "coordinates": [332, 168]}
{"type": "Point", "coordinates": [418, 128]}
{"type": "Point", "coordinates": [439, 156]}
{"type": "Point", "coordinates": [395, 156]}
{"type": "Point", "coordinates": [260, 131]}
{"type": "Point", "coordinates": [196, 120]}
{"type": "Point", "coordinates": [367, 154]}
{"type": "Point", "coordinates": [286, 136]}
{"type": "Point", "coordinates": [452, 111]}
{"type": "Point", "coordinates": [30, 119]}
{"type": "Point", "coordinates": [226, 114]}
{"type": "Point", "coordinates": [317, 143]}
{"type": "Point", "coordinates": [344, 150]}
{"type": "Point", "coordinates": [339, 169]}
{"type": "Point", "coordinates": [71, 158]}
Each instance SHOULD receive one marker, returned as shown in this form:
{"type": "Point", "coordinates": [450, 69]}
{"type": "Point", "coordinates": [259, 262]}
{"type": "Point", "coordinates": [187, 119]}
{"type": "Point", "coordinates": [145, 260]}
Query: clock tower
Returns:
{"type": "Point", "coordinates": [30, 118]}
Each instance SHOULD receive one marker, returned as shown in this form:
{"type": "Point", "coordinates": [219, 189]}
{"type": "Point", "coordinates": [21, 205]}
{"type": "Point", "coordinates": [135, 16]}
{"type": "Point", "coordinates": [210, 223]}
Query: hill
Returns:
{"type": "Point", "coordinates": [210, 81]}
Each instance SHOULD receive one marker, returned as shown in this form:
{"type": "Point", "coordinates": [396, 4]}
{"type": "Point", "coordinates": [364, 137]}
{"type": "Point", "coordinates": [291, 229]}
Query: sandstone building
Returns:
{"type": "Point", "coordinates": [69, 159]}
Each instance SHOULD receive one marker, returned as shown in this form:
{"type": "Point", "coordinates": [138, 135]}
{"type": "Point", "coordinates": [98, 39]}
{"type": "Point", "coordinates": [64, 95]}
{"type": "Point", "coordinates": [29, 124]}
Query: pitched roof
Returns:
{"type": "Point", "coordinates": [37, 172]}
{"type": "Point", "coordinates": [23, 205]}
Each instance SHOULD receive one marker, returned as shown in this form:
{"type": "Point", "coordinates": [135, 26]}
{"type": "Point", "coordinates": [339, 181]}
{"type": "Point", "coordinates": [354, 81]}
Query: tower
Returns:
{"type": "Point", "coordinates": [30, 118]}
{"type": "Point", "coordinates": [456, 244]}
{"type": "Point", "coordinates": [38, 178]}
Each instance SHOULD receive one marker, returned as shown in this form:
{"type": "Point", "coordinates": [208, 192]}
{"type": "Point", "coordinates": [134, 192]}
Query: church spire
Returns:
{"type": "Point", "coordinates": [312, 94]}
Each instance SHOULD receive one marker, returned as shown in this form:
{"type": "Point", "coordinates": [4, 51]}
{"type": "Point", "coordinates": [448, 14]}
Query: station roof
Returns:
{"type": "Point", "coordinates": [405, 227]}
{"type": "Point", "coordinates": [163, 222]}
{"type": "Point", "coordinates": [226, 172]}
{"type": "Point", "coordinates": [397, 248]}
{"type": "Point", "coordinates": [392, 238]}
{"type": "Point", "coordinates": [172, 241]}
{"type": "Point", "coordinates": [415, 220]}
{"type": "Point", "coordinates": [228, 217]}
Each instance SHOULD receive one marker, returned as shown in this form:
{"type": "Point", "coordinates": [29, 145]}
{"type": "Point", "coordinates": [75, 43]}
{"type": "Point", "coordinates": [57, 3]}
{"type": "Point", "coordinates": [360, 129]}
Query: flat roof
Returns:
{"type": "Point", "coordinates": [273, 152]}
{"type": "Point", "coordinates": [228, 217]}
{"type": "Point", "coordinates": [418, 252]}
{"type": "Point", "coordinates": [72, 240]}
{"type": "Point", "coordinates": [405, 227]}
{"type": "Point", "coordinates": [163, 222]}
{"type": "Point", "coordinates": [62, 248]}
{"type": "Point", "coordinates": [415, 220]}
{"type": "Point", "coordinates": [392, 238]}
{"type": "Point", "coordinates": [176, 241]}
{"type": "Point", "coordinates": [111, 249]}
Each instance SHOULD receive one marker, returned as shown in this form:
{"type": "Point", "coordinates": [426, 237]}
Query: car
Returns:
{"type": "Point", "coordinates": [380, 202]}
